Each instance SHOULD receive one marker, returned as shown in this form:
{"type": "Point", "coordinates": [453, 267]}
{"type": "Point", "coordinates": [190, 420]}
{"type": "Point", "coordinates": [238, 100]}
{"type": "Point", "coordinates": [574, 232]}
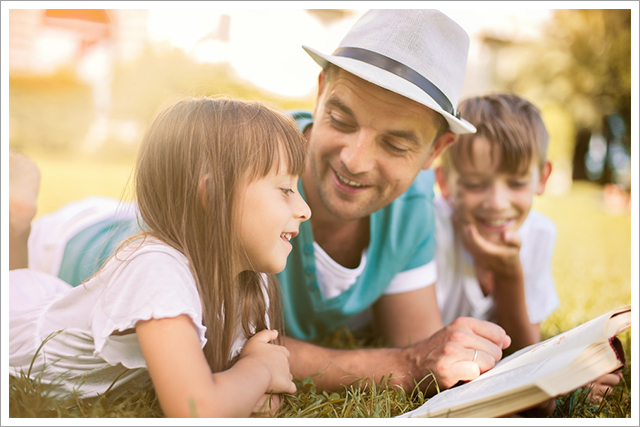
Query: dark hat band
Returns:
{"type": "Point", "coordinates": [400, 70]}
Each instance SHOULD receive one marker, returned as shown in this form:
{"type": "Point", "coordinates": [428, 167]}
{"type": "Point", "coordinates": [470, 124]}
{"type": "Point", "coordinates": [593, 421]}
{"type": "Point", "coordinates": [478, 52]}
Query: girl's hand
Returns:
{"type": "Point", "coordinates": [275, 359]}
{"type": "Point", "coordinates": [267, 406]}
{"type": "Point", "coordinates": [24, 183]}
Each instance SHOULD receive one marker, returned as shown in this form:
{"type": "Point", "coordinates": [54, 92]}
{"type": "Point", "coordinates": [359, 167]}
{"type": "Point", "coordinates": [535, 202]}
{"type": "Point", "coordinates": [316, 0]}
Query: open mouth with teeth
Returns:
{"type": "Point", "coordinates": [348, 182]}
{"type": "Point", "coordinates": [496, 223]}
{"type": "Point", "coordinates": [287, 236]}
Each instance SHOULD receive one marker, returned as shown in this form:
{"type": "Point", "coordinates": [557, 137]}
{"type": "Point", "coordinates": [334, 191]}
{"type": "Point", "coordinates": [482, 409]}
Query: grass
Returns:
{"type": "Point", "coordinates": [592, 272]}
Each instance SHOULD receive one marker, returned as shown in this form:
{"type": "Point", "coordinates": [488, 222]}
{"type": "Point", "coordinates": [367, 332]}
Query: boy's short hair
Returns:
{"type": "Point", "coordinates": [510, 124]}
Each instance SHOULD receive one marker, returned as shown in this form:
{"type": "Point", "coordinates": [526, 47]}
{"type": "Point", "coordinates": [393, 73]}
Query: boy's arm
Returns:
{"type": "Point", "coordinates": [510, 309]}
{"type": "Point", "coordinates": [499, 272]}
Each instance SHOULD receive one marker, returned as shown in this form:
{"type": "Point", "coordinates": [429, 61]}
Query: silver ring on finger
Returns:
{"type": "Point", "coordinates": [475, 355]}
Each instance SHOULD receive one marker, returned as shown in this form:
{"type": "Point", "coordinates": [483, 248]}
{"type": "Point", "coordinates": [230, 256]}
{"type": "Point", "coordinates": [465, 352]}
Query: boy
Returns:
{"type": "Point", "coordinates": [494, 253]}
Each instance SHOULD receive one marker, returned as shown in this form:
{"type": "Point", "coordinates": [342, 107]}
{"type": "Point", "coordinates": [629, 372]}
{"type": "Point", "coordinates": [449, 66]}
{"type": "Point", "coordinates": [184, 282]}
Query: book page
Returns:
{"type": "Point", "coordinates": [581, 336]}
{"type": "Point", "coordinates": [502, 383]}
{"type": "Point", "coordinates": [580, 353]}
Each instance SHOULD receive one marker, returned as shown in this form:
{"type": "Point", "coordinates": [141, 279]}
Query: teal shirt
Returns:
{"type": "Point", "coordinates": [90, 248]}
{"type": "Point", "coordinates": [402, 237]}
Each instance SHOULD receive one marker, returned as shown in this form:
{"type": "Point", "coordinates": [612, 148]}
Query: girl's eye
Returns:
{"type": "Point", "coordinates": [287, 191]}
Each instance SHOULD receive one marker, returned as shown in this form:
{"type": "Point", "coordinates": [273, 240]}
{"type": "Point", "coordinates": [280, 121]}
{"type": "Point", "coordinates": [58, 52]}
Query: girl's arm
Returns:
{"type": "Point", "coordinates": [183, 380]}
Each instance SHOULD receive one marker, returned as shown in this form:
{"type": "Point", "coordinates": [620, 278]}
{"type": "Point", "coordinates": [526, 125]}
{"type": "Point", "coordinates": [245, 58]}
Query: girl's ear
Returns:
{"type": "Point", "coordinates": [441, 178]}
{"type": "Point", "coordinates": [203, 191]}
{"type": "Point", "coordinates": [544, 176]}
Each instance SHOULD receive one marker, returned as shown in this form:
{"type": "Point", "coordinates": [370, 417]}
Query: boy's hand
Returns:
{"type": "Point", "coordinates": [604, 385]}
{"type": "Point", "coordinates": [502, 257]}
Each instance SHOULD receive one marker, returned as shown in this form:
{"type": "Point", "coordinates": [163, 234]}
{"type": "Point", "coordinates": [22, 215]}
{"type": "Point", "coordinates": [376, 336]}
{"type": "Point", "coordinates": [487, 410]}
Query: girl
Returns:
{"type": "Point", "coordinates": [215, 183]}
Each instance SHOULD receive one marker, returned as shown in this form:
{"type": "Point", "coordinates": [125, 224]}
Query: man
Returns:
{"type": "Point", "coordinates": [385, 111]}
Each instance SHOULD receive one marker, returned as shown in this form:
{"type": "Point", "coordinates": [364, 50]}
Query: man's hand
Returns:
{"type": "Point", "coordinates": [449, 354]}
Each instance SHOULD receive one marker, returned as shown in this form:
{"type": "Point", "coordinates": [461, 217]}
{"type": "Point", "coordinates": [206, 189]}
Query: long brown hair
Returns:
{"type": "Point", "coordinates": [232, 142]}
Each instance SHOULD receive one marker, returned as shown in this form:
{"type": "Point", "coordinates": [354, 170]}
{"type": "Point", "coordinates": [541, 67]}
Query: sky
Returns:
{"type": "Point", "coordinates": [256, 54]}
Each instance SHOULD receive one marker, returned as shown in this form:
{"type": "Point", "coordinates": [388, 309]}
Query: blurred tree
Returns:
{"type": "Point", "coordinates": [582, 63]}
{"type": "Point", "coordinates": [157, 78]}
{"type": "Point", "coordinates": [330, 16]}
{"type": "Point", "coordinates": [48, 112]}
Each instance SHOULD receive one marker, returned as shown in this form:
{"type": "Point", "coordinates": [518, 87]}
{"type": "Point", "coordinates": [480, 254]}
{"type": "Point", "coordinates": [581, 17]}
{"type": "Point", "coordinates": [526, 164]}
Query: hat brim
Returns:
{"type": "Point", "coordinates": [391, 82]}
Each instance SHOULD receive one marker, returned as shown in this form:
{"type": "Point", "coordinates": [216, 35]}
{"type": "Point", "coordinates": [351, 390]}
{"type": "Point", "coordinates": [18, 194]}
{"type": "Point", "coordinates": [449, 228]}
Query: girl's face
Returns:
{"type": "Point", "coordinates": [492, 200]}
{"type": "Point", "coordinates": [270, 212]}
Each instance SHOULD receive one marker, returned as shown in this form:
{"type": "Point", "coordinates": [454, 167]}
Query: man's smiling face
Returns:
{"type": "Point", "coordinates": [367, 145]}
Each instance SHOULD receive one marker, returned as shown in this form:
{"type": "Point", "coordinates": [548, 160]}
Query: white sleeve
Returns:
{"type": "Point", "coordinates": [538, 241]}
{"type": "Point", "coordinates": [411, 280]}
{"type": "Point", "coordinates": [51, 232]}
{"type": "Point", "coordinates": [153, 283]}
{"type": "Point", "coordinates": [425, 275]}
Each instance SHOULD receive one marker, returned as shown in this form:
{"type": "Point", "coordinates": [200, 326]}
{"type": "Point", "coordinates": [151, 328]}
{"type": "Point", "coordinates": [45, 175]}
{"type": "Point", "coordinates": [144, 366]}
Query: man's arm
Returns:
{"type": "Point", "coordinates": [406, 318]}
{"type": "Point", "coordinates": [448, 354]}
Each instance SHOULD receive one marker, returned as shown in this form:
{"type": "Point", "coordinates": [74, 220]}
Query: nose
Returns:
{"type": "Point", "coordinates": [498, 197]}
{"type": "Point", "coordinates": [359, 154]}
{"type": "Point", "coordinates": [301, 209]}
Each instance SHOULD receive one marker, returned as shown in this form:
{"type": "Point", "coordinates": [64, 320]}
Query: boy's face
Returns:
{"type": "Point", "coordinates": [493, 201]}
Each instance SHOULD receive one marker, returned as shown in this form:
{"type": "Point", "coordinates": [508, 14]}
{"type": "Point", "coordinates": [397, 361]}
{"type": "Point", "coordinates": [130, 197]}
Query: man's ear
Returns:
{"type": "Point", "coordinates": [544, 176]}
{"type": "Point", "coordinates": [320, 82]}
{"type": "Point", "coordinates": [320, 89]}
{"type": "Point", "coordinates": [438, 146]}
{"type": "Point", "coordinates": [441, 179]}
{"type": "Point", "coordinates": [203, 191]}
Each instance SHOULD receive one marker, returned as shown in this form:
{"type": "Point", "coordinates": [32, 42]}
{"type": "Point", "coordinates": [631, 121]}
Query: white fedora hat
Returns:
{"type": "Point", "coordinates": [419, 54]}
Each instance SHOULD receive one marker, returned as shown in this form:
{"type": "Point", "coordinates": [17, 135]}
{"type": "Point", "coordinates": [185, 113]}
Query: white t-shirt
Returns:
{"type": "Point", "coordinates": [457, 288]}
{"type": "Point", "coordinates": [144, 281]}
{"type": "Point", "coordinates": [334, 279]}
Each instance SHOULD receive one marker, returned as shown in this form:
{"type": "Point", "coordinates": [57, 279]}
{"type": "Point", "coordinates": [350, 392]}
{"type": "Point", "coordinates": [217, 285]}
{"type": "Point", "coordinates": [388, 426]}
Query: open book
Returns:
{"type": "Point", "coordinates": [537, 373]}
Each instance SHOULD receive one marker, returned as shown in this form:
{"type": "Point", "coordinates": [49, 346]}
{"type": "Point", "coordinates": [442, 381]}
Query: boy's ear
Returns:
{"type": "Point", "coordinates": [441, 178]}
{"type": "Point", "coordinates": [438, 146]}
{"type": "Point", "coordinates": [202, 191]}
{"type": "Point", "coordinates": [544, 176]}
